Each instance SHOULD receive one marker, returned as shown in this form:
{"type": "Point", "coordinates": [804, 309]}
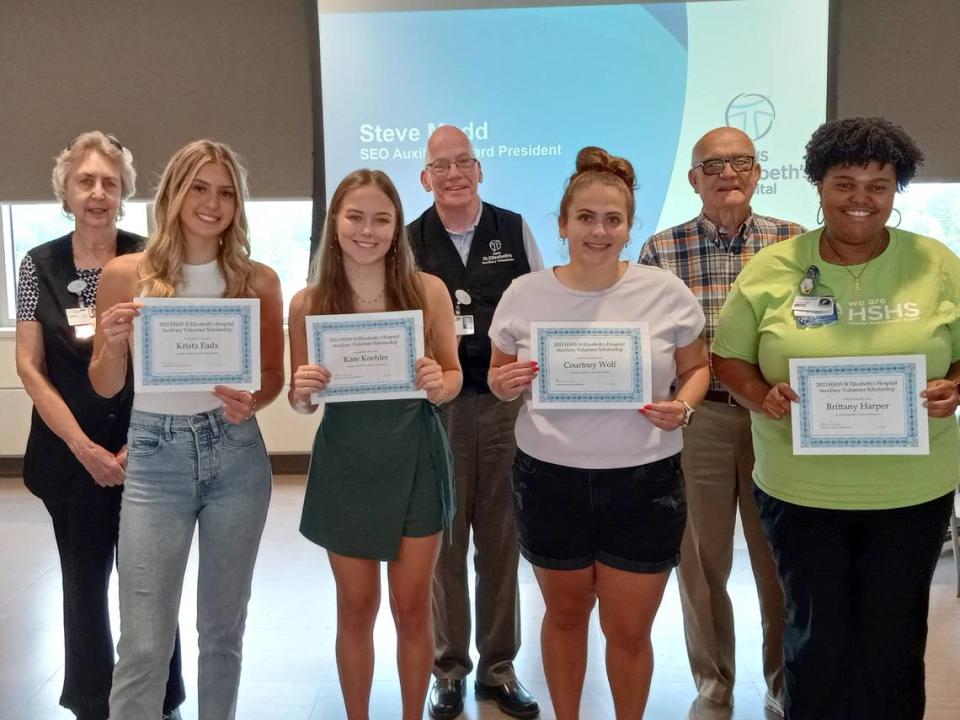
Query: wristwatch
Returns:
{"type": "Point", "coordinates": [688, 412]}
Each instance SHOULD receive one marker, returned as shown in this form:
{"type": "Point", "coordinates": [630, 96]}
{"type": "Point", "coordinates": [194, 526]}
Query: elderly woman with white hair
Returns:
{"type": "Point", "coordinates": [76, 453]}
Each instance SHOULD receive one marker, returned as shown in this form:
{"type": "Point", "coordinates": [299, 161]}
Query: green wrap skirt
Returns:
{"type": "Point", "coordinates": [380, 470]}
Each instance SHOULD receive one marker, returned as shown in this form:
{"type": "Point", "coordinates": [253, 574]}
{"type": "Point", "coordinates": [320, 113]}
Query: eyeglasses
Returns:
{"type": "Point", "coordinates": [714, 166]}
{"type": "Point", "coordinates": [110, 137]}
{"type": "Point", "coordinates": [442, 167]}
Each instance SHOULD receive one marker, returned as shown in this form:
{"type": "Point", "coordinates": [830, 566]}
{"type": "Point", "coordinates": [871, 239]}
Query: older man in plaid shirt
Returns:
{"type": "Point", "coordinates": [708, 253]}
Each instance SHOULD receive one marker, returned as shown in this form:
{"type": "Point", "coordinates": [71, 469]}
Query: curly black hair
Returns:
{"type": "Point", "coordinates": [858, 141]}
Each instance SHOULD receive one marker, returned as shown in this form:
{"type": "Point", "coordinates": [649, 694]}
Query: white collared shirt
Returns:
{"type": "Point", "coordinates": [463, 241]}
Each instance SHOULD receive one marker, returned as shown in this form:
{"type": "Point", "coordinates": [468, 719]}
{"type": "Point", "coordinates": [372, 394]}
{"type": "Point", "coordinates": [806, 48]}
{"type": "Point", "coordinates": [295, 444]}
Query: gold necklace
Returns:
{"type": "Point", "coordinates": [856, 276]}
{"type": "Point", "coordinates": [372, 301]}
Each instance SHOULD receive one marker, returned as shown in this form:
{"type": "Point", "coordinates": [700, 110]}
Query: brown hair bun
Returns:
{"type": "Point", "coordinates": [594, 164]}
{"type": "Point", "coordinates": [596, 159]}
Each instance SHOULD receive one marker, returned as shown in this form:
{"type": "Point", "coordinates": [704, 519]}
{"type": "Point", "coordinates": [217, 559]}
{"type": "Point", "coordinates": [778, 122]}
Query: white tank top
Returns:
{"type": "Point", "coordinates": [198, 281]}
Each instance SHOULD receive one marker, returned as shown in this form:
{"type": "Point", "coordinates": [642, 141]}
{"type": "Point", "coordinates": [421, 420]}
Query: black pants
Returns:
{"type": "Point", "coordinates": [87, 540]}
{"type": "Point", "coordinates": [856, 588]}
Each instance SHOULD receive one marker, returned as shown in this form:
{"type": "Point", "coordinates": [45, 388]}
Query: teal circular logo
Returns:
{"type": "Point", "coordinates": [753, 113]}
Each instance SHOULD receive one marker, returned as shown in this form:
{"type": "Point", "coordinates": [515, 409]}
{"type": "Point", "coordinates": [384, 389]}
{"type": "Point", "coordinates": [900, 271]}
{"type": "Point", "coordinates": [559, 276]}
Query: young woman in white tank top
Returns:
{"type": "Point", "coordinates": [196, 460]}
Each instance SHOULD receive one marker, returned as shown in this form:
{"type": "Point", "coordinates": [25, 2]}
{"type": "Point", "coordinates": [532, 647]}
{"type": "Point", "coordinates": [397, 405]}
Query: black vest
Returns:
{"type": "Point", "coordinates": [497, 256]}
{"type": "Point", "coordinates": [49, 467]}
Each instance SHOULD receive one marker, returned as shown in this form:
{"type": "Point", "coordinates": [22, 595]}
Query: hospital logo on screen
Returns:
{"type": "Point", "coordinates": [753, 113]}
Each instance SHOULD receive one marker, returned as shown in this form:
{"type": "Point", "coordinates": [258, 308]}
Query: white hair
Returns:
{"type": "Point", "coordinates": [106, 145]}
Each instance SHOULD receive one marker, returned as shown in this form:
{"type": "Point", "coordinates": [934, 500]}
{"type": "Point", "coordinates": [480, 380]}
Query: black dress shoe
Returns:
{"type": "Point", "coordinates": [446, 698]}
{"type": "Point", "coordinates": [511, 697]}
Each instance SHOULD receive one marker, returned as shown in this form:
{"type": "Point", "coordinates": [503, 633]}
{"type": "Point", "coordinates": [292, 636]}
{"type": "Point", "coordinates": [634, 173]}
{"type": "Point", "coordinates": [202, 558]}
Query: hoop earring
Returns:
{"type": "Point", "coordinates": [899, 218]}
{"type": "Point", "coordinates": [820, 214]}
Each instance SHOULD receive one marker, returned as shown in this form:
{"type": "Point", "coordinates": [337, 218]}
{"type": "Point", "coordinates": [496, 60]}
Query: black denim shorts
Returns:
{"type": "Point", "coordinates": [627, 518]}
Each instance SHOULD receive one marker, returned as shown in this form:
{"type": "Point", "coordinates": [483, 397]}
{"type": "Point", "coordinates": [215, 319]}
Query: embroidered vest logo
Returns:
{"type": "Point", "coordinates": [496, 255]}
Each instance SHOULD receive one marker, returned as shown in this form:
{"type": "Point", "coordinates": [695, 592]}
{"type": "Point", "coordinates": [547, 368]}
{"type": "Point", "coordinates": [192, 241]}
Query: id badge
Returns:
{"type": "Point", "coordinates": [815, 311]}
{"type": "Point", "coordinates": [83, 320]}
{"type": "Point", "coordinates": [464, 324]}
{"type": "Point", "coordinates": [81, 316]}
{"type": "Point", "coordinates": [814, 305]}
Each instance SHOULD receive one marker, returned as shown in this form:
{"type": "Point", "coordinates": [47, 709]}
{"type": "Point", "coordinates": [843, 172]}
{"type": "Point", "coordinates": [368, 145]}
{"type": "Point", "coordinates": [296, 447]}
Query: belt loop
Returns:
{"type": "Point", "coordinates": [168, 427]}
{"type": "Point", "coordinates": [216, 420]}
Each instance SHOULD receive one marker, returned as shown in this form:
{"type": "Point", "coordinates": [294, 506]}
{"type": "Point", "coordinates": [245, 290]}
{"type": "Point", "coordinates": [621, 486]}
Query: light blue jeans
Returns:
{"type": "Point", "coordinates": [184, 471]}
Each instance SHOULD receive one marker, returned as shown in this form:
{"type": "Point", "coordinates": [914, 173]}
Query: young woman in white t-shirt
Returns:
{"type": "Point", "coordinates": [599, 493]}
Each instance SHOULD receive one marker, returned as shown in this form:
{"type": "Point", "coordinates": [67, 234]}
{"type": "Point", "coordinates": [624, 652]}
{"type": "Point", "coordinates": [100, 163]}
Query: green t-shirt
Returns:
{"type": "Point", "coordinates": [908, 304]}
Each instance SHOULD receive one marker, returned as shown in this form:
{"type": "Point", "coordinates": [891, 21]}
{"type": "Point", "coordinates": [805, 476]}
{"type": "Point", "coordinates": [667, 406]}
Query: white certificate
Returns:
{"type": "Point", "coordinates": [370, 356]}
{"type": "Point", "coordinates": [860, 405]}
{"type": "Point", "coordinates": [591, 365]}
{"type": "Point", "coordinates": [193, 344]}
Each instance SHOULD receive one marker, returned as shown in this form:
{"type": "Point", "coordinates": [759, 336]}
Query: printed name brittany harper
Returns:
{"type": "Point", "coordinates": [853, 407]}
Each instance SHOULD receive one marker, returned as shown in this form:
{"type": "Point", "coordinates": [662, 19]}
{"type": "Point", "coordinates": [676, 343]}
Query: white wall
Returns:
{"type": "Point", "coordinates": [283, 430]}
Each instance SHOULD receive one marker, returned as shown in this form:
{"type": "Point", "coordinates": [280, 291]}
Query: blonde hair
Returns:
{"type": "Point", "coordinates": [161, 268]}
{"type": "Point", "coordinates": [595, 164]}
{"type": "Point", "coordinates": [106, 145]}
{"type": "Point", "coordinates": [330, 292]}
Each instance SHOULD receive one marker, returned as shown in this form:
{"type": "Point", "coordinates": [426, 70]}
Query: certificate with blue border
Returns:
{"type": "Point", "coordinates": [193, 344]}
{"type": "Point", "coordinates": [591, 365]}
{"type": "Point", "coordinates": [860, 405]}
{"type": "Point", "coordinates": [370, 356]}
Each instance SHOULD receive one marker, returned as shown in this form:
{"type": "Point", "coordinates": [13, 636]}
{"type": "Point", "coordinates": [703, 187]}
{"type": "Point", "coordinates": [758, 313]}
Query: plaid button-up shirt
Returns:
{"type": "Point", "coordinates": [708, 260]}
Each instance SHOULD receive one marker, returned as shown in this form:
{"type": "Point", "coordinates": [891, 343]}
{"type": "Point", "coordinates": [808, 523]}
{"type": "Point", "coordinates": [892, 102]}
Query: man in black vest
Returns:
{"type": "Point", "coordinates": [477, 249]}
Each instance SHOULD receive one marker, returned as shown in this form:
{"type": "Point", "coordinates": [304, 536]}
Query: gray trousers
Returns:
{"type": "Point", "coordinates": [480, 429]}
{"type": "Point", "coordinates": [718, 470]}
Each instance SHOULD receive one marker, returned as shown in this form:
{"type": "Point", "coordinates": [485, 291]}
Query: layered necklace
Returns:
{"type": "Point", "coordinates": [855, 275]}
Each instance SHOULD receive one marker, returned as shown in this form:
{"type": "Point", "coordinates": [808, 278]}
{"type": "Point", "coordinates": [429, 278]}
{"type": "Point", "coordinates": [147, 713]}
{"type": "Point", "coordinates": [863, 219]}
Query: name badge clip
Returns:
{"type": "Point", "coordinates": [808, 286]}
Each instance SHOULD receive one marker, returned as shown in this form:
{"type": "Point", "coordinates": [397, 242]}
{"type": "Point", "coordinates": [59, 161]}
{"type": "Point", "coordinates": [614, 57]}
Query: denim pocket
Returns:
{"type": "Point", "coordinates": [245, 434]}
{"type": "Point", "coordinates": [144, 441]}
{"type": "Point", "coordinates": [523, 469]}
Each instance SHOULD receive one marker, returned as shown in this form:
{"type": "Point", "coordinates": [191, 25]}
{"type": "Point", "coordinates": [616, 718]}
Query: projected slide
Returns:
{"type": "Point", "coordinates": [531, 86]}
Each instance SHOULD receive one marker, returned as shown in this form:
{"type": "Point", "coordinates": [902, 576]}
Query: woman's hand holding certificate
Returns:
{"type": "Point", "coordinates": [307, 381]}
{"type": "Point", "coordinates": [429, 378]}
{"type": "Point", "coordinates": [116, 323]}
{"type": "Point", "coordinates": [941, 398]}
{"type": "Point", "coordinates": [238, 405]}
{"type": "Point", "coordinates": [509, 381]}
